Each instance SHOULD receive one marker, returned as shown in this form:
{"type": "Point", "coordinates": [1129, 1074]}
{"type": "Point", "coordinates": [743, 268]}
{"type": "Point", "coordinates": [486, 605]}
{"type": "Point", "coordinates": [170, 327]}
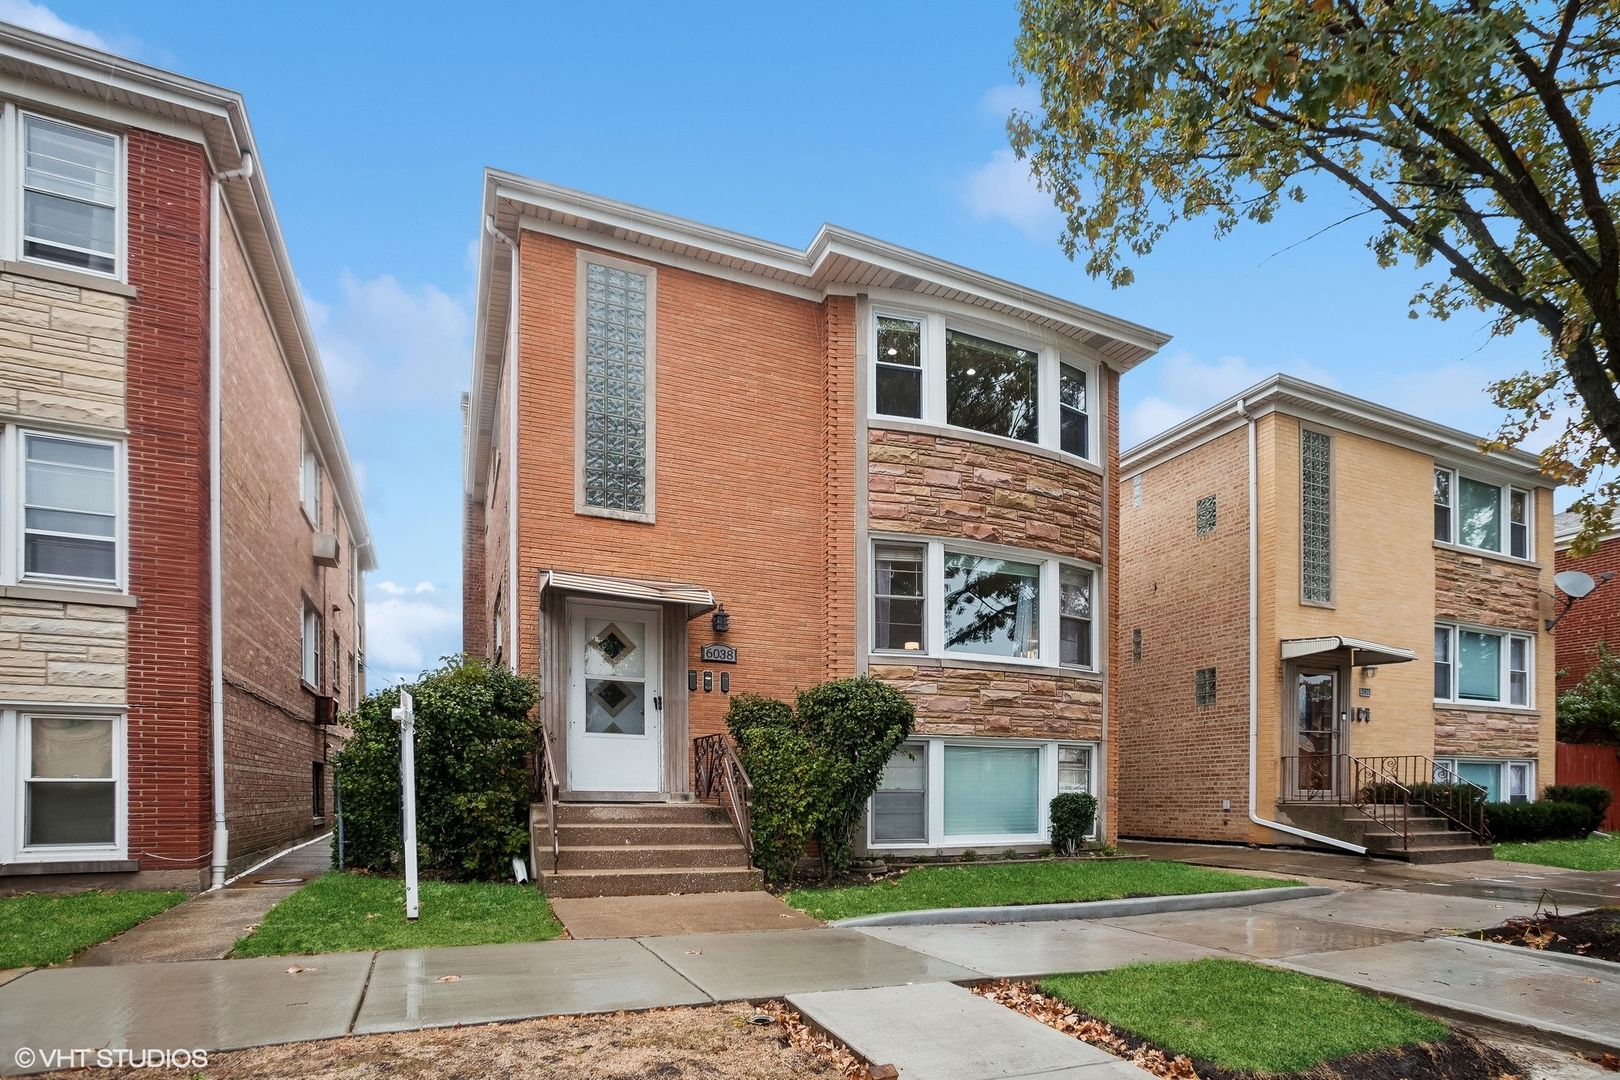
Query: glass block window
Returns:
{"type": "Point", "coordinates": [1316, 516]}
{"type": "Point", "coordinates": [1136, 491]}
{"type": "Point", "coordinates": [615, 389]}
{"type": "Point", "coordinates": [1204, 686]}
{"type": "Point", "coordinates": [1136, 644]}
{"type": "Point", "coordinates": [1205, 515]}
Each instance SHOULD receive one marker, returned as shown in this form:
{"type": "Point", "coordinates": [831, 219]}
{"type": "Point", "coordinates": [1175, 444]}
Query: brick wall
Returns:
{"type": "Point", "coordinates": [1112, 652]}
{"type": "Point", "coordinates": [839, 554]}
{"type": "Point", "coordinates": [168, 501]}
{"type": "Point", "coordinates": [1591, 620]}
{"type": "Point", "coordinates": [1189, 597]}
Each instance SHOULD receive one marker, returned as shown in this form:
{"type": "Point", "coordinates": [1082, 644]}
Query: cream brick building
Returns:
{"type": "Point", "coordinates": [1318, 593]}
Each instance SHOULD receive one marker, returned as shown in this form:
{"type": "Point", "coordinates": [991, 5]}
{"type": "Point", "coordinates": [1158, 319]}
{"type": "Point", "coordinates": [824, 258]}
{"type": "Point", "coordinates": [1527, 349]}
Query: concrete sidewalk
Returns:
{"type": "Point", "coordinates": [1382, 939]}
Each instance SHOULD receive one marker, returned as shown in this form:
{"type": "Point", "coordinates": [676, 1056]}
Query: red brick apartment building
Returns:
{"type": "Point", "coordinates": [1591, 619]}
{"type": "Point", "coordinates": [1325, 598]}
{"type": "Point", "coordinates": [699, 464]}
{"type": "Point", "coordinates": [180, 592]}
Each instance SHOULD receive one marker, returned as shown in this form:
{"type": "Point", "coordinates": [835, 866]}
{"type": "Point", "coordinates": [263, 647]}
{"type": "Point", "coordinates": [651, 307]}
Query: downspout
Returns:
{"type": "Point", "coordinates": [216, 560]}
{"type": "Point", "coordinates": [1254, 656]}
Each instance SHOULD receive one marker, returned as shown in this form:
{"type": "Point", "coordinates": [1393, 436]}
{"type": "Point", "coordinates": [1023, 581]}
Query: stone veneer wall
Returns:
{"type": "Point", "coordinates": [61, 352]}
{"type": "Point", "coordinates": [1489, 592]}
{"type": "Point", "coordinates": [1488, 734]}
{"type": "Point", "coordinates": [998, 701]}
{"type": "Point", "coordinates": [52, 651]}
{"type": "Point", "coordinates": [944, 487]}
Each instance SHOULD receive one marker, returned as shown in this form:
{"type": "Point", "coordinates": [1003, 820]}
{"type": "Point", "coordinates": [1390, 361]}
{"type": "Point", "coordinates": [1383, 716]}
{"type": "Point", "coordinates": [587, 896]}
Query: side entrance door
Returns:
{"type": "Point", "coordinates": [616, 699]}
{"type": "Point", "coordinates": [1319, 732]}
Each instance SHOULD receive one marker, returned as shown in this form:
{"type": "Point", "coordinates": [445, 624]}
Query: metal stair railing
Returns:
{"type": "Point", "coordinates": [718, 771]}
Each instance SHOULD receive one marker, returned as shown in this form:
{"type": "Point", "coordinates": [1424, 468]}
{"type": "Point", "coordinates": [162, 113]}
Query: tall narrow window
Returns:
{"type": "Point", "coordinates": [70, 510]}
{"type": "Point", "coordinates": [900, 804]}
{"type": "Point", "coordinates": [1204, 686]}
{"type": "Point", "coordinates": [317, 783]}
{"type": "Point", "coordinates": [309, 482]}
{"type": "Point", "coordinates": [897, 597]}
{"type": "Point", "coordinates": [1442, 505]}
{"type": "Point", "coordinates": [1316, 516]}
{"type": "Point", "coordinates": [992, 606]}
{"type": "Point", "coordinates": [1073, 421]}
{"type": "Point", "coordinates": [1518, 671]}
{"type": "Point", "coordinates": [1074, 768]}
{"type": "Point", "coordinates": [1519, 524]}
{"type": "Point", "coordinates": [310, 668]}
{"type": "Point", "coordinates": [991, 387]}
{"type": "Point", "coordinates": [899, 367]}
{"type": "Point", "coordinates": [1518, 781]}
{"type": "Point", "coordinates": [72, 788]}
{"type": "Point", "coordinates": [1442, 662]}
{"type": "Point", "coordinates": [615, 389]}
{"type": "Point", "coordinates": [70, 195]}
{"type": "Point", "coordinates": [1074, 615]}
{"type": "Point", "coordinates": [1205, 515]}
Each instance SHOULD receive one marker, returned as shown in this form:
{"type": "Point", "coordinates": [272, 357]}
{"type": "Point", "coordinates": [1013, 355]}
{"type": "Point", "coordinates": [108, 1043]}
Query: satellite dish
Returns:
{"type": "Point", "coordinates": [1574, 584]}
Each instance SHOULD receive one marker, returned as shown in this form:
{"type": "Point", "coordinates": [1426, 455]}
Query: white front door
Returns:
{"type": "Point", "coordinates": [616, 699]}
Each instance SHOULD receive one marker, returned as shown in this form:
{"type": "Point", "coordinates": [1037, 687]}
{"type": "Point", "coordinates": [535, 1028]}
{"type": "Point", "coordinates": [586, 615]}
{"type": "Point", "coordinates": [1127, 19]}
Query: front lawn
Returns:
{"type": "Point", "coordinates": [41, 929]}
{"type": "Point", "coordinates": [340, 912]}
{"type": "Point", "coordinates": [1593, 853]}
{"type": "Point", "coordinates": [926, 887]}
{"type": "Point", "coordinates": [1243, 1017]}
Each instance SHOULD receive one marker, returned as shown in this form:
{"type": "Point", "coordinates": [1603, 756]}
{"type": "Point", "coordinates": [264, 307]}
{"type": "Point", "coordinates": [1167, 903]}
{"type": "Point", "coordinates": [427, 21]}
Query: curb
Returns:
{"type": "Point", "coordinates": [1090, 909]}
{"type": "Point", "coordinates": [1585, 963]}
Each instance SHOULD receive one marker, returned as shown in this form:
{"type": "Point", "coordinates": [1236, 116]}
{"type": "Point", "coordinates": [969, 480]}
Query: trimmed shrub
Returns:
{"type": "Point", "coordinates": [1073, 814]}
{"type": "Point", "coordinates": [473, 735]}
{"type": "Point", "coordinates": [1595, 797]}
{"type": "Point", "coordinates": [787, 779]}
{"type": "Point", "coordinates": [1528, 822]}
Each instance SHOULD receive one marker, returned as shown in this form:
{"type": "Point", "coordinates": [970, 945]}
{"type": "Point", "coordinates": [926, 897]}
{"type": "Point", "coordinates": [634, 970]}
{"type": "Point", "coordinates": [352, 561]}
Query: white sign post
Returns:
{"type": "Point", "coordinates": [406, 716]}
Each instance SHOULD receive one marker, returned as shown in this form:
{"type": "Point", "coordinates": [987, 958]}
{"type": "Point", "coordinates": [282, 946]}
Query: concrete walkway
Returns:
{"type": "Point", "coordinates": [1383, 939]}
{"type": "Point", "coordinates": [208, 925]}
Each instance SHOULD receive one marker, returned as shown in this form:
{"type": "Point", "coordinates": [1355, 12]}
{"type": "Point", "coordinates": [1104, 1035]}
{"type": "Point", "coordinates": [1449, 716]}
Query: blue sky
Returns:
{"type": "Point", "coordinates": [374, 121]}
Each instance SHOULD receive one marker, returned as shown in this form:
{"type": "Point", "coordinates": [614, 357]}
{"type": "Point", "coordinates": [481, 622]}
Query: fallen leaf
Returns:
{"type": "Point", "coordinates": [448, 978]}
{"type": "Point", "coordinates": [294, 970]}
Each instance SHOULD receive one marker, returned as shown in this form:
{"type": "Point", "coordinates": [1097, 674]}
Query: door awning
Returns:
{"type": "Point", "coordinates": [698, 600]}
{"type": "Point", "coordinates": [1362, 653]}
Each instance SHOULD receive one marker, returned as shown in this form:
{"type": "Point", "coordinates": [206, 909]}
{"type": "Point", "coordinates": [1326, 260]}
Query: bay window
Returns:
{"type": "Point", "coordinates": [1475, 665]}
{"type": "Point", "coordinates": [982, 380]}
{"type": "Point", "coordinates": [1479, 514]}
{"type": "Point", "coordinates": [936, 598]}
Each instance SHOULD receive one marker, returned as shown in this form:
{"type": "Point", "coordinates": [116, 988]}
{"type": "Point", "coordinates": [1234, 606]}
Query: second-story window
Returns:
{"type": "Point", "coordinates": [617, 408]}
{"type": "Point", "coordinates": [1074, 420]}
{"type": "Point", "coordinates": [70, 509]}
{"type": "Point", "coordinates": [1480, 514]}
{"type": "Point", "coordinates": [309, 482]}
{"type": "Point", "coordinates": [69, 195]}
{"type": "Point", "coordinates": [899, 367]}
{"type": "Point", "coordinates": [991, 387]}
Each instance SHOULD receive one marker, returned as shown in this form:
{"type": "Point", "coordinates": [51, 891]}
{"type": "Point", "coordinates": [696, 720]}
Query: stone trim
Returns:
{"type": "Point", "coordinates": [87, 866]}
{"type": "Point", "coordinates": [61, 275]}
{"type": "Point", "coordinates": [90, 597]}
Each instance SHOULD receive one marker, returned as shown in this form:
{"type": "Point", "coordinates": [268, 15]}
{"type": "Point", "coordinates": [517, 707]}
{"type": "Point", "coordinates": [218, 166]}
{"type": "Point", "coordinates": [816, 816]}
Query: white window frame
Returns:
{"type": "Point", "coordinates": [1505, 674]}
{"type": "Point", "coordinates": [1050, 628]}
{"type": "Point", "coordinates": [649, 504]}
{"type": "Point", "coordinates": [14, 466]}
{"type": "Point", "coordinates": [11, 221]}
{"type": "Point", "coordinates": [1047, 787]}
{"type": "Point", "coordinates": [309, 480]}
{"type": "Point", "coordinates": [1047, 394]}
{"type": "Point", "coordinates": [16, 732]}
{"type": "Point", "coordinates": [1504, 782]}
{"type": "Point", "coordinates": [309, 659]}
{"type": "Point", "coordinates": [1505, 492]}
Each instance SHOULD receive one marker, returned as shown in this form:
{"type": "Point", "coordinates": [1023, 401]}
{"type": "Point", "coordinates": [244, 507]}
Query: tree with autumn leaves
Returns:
{"type": "Point", "coordinates": [1482, 139]}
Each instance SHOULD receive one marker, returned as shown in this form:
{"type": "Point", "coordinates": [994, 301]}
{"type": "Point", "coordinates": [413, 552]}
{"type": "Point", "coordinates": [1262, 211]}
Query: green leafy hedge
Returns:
{"type": "Point", "coordinates": [814, 765]}
{"type": "Point", "coordinates": [1073, 814]}
{"type": "Point", "coordinates": [1589, 712]}
{"type": "Point", "coordinates": [1595, 797]}
{"type": "Point", "coordinates": [472, 784]}
{"type": "Point", "coordinates": [1543, 820]}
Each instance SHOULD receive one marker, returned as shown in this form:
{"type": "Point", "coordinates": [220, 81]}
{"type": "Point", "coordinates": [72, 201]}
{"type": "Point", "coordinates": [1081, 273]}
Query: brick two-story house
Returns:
{"type": "Point", "coordinates": [1326, 599]}
{"type": "Point", "coordinates": [181, 536]}
{"type": "Point", "coordinates": [873, 461]}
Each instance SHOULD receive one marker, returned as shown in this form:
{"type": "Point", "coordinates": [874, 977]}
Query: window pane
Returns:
{"type": "Point", "coordinates": [1442, 505]}
{"type": "Point", "coordinates": [991, 790]}
{"type": "Point", "coordinates": [1072, 408]}
{"type": "Point", "coordinates": [897, 597]}
{"type": "Point", "coordinates": [992, 606]}
{"type": "Point", "coordinates": [61, 556]}
{"type": "Point", "coordinates": [990, 387]}
{"type": "Point", "coordinates": [73, 748]}
{"type": "Point", "coordinates": [1479, 512]}
{"type": "Point", "coordinates": [1518, 671]}
{"type": "Point", "coordinates": [1479, 659]}
{"type": "Point", "coordinates": [899, 341]}
{"type": "Point", "coordinates": [1316, 520]}
{"type": "Point", "coordinates": [1487, 774]}
{"type": "Point", "coordinates": [1519, 524]}
{"type": "Point", "coordinates": [1074, 611]}
{"type": "Point", "coordinates": [72, 813]}
{"type": "Point", "coordinates": [1442, 662]}
{"type": "Point", "coordinates": [899, 391]}
{"type": "Point", "coordinates": [1518, 783]}
{"type": "Point", "coordinates": [1074, 769]}
{"type": "Point", "coordinates": [899, 808]}
{"type": "Point", "coordinates": [615, 388]}
{"type": "Point", "coordinates": [70, 161]}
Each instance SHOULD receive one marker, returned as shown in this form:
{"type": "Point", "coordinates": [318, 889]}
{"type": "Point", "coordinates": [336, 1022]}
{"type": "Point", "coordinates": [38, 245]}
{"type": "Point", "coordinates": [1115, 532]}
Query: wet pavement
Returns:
{"type": "Point", "coordinates": [678, 913]}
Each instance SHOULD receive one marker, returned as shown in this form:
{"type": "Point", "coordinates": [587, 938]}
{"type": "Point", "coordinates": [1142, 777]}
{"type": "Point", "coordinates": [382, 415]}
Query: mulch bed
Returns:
{"type": "Point", "coordinates": [1594, 933]}
{"type": "Point", "coordinates": [1460, 1057]}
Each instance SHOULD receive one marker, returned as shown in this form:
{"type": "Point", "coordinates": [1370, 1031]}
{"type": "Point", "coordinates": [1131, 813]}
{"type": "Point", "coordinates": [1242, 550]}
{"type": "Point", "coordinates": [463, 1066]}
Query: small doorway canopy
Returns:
{"type": "Point", "coordinates": [1362, 653]}
{"type": "Point", "coordinates": [696, 599]}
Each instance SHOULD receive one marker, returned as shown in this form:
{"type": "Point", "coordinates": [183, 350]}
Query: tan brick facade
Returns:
{"type": "Point", "coordinates": [61, 352]}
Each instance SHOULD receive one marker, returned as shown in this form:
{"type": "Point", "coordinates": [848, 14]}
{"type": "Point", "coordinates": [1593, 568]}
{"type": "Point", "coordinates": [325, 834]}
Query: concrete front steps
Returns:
{"type": "Point", "coordinates": [1430, 839]}
{"type": "Point", "coordinates": [640, 849]}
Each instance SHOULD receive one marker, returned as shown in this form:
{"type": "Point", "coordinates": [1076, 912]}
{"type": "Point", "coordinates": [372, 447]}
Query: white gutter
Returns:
{"type": "Point", "coordinates": [220, 859]}
{"type": "Point", "coordinates": [1254, 655]}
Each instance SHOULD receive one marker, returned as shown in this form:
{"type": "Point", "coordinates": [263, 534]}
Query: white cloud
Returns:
{"type": "Point", "coordinates": [407, 632]}
{"type": "Point", "coordinates": [404, 590]}
{"type": "Point", "coordinates": [1187, 385]}
{"type": "Point", "coordinates": [39, 18]}
{"type": "Point", "coordinates": [385, 344]}
{"type": "Point", "coordinates": [1002, 188]}
{"type": "Point", "coordinates": [999, 101]}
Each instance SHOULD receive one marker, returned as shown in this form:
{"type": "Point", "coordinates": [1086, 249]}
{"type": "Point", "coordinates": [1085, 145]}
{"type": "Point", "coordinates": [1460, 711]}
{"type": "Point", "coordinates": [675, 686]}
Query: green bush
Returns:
{"type": "Point", "coordinates": [1589, 712]}
{"type": "Point", "coordinates": [1528, 822]}
{"type": "Point", "coordinates": [815, 765]}
{"type": "Point", "coordinates": [472, 784]}
{"type": "Point", "coordinates": [1595, 797]}
{"type": "Point", "coordinates": [1073, 814]}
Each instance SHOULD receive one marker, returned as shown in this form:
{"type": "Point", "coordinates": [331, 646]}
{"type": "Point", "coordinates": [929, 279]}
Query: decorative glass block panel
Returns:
{"type": "Point", "coordinates": [992, 606]}
{"type": "Point", "coordinates": [992, 790]}
{"type": "Point", "coordinates": [615, 388]}
{"type": "Point", "coordinates": [1316, 516]}
{"type": "Point", "coordinates": [1204, 686]}
{"type": "Point", "coordinates": [1204, 515]}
